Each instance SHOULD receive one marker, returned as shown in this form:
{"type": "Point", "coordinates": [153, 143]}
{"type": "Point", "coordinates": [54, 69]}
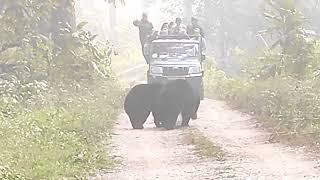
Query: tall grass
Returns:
{"type": "Point", "coordinates": [64, 135]}
{"type": "Point", "coordinates": [289, 106]}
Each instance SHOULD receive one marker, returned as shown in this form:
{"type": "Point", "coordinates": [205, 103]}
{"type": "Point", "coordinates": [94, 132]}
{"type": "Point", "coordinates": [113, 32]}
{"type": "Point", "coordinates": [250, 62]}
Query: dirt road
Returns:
{"type": "Point", "coordinates": [158, 154]}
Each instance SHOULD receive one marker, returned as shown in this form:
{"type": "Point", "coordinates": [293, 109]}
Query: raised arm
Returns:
{"type": "Point", "coordinates": [137, 23]}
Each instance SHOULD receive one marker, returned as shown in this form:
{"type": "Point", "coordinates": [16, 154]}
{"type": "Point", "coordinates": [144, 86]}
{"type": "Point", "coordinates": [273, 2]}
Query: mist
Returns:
{"type": "Point", "coordinates": [159, 89]}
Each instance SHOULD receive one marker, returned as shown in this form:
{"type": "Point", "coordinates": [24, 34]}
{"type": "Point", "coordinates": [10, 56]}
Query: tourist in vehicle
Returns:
{"type": "Point", "coordinates": [164, 32]}
{"type": "Point", "coordinates": [179, 26]}
{"type": "Point", "coordinates": [197, 32]}
{"type": "Point", "coordinates": [145, 30]}
{"type": "Point", "coordinates": [194, 25]}
{"type": "Point", "coordinates": [164, 29]}
{"type": "Point", "coordinates": [165, 26]}
{"type": "Point", "coordinates": [171, 28]}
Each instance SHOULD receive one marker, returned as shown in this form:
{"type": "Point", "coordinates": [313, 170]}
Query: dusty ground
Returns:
{"type": "Point", "coordinates": [157, 154]}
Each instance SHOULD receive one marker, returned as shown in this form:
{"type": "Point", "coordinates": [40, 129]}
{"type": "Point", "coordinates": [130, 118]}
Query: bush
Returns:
{"type": "Point", "coordinates": [58, 125]}
{"type": "Point", "coordinates": [56, 132]}
{"type": "Point", "coordinates": [57, 104]}
{"type": "Point", "coordinates": [62, 138]}
{"type": "Point", "coordinates": [290, 105]}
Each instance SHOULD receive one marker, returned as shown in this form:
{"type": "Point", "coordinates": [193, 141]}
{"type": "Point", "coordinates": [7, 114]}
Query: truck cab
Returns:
{"type": "Point", "coordinates": [176, 57]}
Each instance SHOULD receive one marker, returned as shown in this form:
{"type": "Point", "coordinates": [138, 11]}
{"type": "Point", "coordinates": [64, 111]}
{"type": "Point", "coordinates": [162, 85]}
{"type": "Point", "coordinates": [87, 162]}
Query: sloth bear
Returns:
{"type": "Point", "coordinates": [175, 97]}
{"type": "Point", "coordinates": [138, 103]}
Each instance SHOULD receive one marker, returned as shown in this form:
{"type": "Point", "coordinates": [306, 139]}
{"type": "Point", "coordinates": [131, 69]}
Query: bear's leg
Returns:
{"type": "Point", "coordinates": [171, 120]}
{"type": "Point", "coordinates": [144, 117]}
{"type": "Point", "coordinates": [196, 105]}
{"type": "Point", "coordinates": [185, 120]}
{"type": "Point", "coordinates": [135, 123]}
{"type": "Point", "coordinates": [156, 119]}
{"type": "Point", "coordinates": [187, 113]}
{"type": "Point", "coordinates": [138, 120]}
{"type": "Point", "coordinates": [137, 126]}
{"type": "Point", "coordinates": [194, 116]}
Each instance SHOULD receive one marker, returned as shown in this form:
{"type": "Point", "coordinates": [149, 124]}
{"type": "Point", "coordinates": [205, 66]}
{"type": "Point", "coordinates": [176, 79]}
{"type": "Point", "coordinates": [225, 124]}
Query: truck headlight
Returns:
{"type": "Point", "coordinates": [194, 70]}
{"type": "Point", "coordinates": [156, 70]}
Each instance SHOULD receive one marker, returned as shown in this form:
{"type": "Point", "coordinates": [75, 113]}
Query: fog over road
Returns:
{"type": "Point", "coordinates": [158, 154]}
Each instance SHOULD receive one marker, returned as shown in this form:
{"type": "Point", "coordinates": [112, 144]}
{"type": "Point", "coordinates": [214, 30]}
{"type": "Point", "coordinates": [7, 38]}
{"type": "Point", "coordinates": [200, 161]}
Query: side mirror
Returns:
{"type": "Point", "coordinates": [203, 57]}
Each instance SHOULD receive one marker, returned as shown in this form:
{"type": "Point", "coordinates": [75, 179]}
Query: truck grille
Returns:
{"type": "Point", "coordinates": [175, 71]}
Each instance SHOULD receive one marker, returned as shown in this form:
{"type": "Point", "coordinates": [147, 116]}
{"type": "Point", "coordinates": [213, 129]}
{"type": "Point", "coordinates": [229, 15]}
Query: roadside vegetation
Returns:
{"type": "Point", "coordinates": [279, 85]}
{"type": "Point", "coordinates": [58, 95]}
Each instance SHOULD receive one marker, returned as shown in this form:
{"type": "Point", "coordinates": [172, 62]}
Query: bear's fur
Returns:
{"type": "Point", "coordinates": [174, 98]}
{"type": "Point", "coordinates": [138, 103]}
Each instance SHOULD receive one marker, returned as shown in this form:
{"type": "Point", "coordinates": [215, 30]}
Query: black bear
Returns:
{"type": "Point", "coordinates": [138, 103]}
{"type": "Point", "coordinates": [174, 98]}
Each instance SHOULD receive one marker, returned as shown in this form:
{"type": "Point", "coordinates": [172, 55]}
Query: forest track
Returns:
{"type": "Point", "coordinates": [157, 154]}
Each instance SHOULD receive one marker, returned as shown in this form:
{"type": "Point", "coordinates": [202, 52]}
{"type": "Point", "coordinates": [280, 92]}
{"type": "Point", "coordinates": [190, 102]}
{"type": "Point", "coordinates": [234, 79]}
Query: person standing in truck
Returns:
{"type": "Point", "coordinates": [197, 32]}
{"type": "Point", "coordinates": [145, 30]}
{"type": "Point", "coordinates": [164, 29]}
{"type": "Point", "coordinates": [194, 25]}
{"type": "Point", "coordinates": [171, 28]}
{"type": "Point", "coordinates": [179, 26]}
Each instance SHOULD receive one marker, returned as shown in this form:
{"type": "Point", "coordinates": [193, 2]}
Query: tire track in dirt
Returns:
{"type": "Point", "coordinates": [248, 146]}
{"type": "Point", "coordinates": [154, 153]}
{"type": "Point", "coordinates": [158, 154]}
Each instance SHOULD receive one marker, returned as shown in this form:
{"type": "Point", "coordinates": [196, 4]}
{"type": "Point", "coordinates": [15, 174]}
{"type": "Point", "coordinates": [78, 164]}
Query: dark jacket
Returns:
{"type": "Point", "coordinates": [191, 28]}
{"type": "Point", "coordinates": [145, 29]}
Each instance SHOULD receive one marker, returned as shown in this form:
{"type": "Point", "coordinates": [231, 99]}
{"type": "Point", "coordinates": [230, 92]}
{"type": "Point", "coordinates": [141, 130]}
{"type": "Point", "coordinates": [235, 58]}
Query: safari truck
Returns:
{"type": "Point", "coordinates": [176, 57]}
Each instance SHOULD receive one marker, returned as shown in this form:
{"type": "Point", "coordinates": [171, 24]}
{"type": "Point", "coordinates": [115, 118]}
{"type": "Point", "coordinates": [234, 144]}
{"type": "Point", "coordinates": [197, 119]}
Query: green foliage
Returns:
{"type": "Point", "coordinates": [64, 137]}
{"type": "Point", "coordinates": [280, 85]}
{"type": "Point", "coordinates": [295, 43]}
{"type": "Point", "coordinates": [289, 104]}
{"type": "Point", "coordinates": [58, 96]}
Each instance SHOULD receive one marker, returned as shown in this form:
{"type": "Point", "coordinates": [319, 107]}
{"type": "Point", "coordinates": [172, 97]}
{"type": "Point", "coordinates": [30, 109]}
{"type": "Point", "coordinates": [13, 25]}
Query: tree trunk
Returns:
{"type": "Point", "coordinates": [147, 4]}
{"type": "Point", "coordinates": [113, 35]}
{"type": "Point", "coordinates": [187, 9]}
{"type": "Point", "coordinates": [63, 17]}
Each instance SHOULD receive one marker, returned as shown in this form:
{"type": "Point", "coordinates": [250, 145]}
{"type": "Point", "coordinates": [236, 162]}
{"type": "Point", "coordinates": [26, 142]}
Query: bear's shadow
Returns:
{"type": "Point", "coordinates": [157, 129]}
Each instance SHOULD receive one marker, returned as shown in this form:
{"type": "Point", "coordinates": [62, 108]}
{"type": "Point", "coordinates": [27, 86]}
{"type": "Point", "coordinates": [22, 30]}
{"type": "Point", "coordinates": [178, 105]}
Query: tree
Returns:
{"type": "Point", "coordinates": [42, 37]}
{"type": "Point", "coordinates": [311, 9]}
{"type": "Point", "coordinates": [288, 28]}
{"type": "Point", "coordinates": [63, 19]}
{"type": "Point", "coordinates": [146, 4]}
{"type": "Point", "coordinates": [187, 4]}
{"type": "Point", "coordinates": [113, 19]}
{"type": "Point", "coordinates": [231, 24]}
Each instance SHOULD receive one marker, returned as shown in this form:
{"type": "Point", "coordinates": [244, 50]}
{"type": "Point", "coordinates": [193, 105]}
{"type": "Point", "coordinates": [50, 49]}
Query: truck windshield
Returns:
{"type": "Point", "coordinates": [175, 50]}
